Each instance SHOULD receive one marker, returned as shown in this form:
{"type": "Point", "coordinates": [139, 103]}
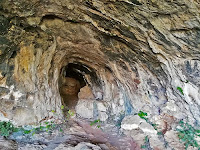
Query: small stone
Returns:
{"type": "Point", "coordinates": [147, 128]}
{"type": "Point", "coordinates": [103, 116]}
{"type": "Point", "coordinates": [101, 106]}
{"type": "Point", "coordinates": [84, 108]}
{"type": "Point", "coordinates": [85, 93]}
{"type": "Point", "coordinates": [131, 122]}
{"type": "Point", "coordinates": [99, 95]}
{"type": "Point", "coordinates": [86, 146]}
{"type": "Point", "coordinates": [79, 146]}
{"type": "Point", "coordinates": [155, 143]}
{"type": "Point", "coordinates": [33, 21]}
{"type": "Point", "coordinates": [138, 136]}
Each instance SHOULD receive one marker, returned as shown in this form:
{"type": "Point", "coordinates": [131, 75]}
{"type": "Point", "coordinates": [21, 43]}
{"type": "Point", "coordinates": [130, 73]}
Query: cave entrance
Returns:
{"type": "Point", "coordinates": [72, 80]}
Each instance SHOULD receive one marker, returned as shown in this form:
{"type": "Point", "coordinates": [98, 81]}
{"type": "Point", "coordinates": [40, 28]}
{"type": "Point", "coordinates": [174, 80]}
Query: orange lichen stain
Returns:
{"type": "Point", "coordinates": [25, 57]}
{"type": "Point", "coordinates": [2, 80]}
{"type": "Point", "coordinates": [23, 63]}
{"type": "Point", "coordinates": [4, 114]}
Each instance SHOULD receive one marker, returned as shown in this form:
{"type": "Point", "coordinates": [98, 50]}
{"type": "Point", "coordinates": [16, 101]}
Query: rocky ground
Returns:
{"type": "Point", "coordinates": [72, 135]}
{"type": "Point", "coordinates": [134, 133]}
{"type": "Point", "coordinates": [134, 65]}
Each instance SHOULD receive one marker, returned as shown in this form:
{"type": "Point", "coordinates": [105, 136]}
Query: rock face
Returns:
{"type": "Point", "coordinates": [8, 144]}
{"type": "Point", "coordinates": [131, 55]}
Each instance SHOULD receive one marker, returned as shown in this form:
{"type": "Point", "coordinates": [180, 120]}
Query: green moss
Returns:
{"type": "Point", "coordinates": [143, 115]}
{"type": "Point", "coordinates": [6, 128]}
{"type": "Point", "coordinates": [187, 134]}
{"type": "Point", "coordinates": [96, 122]}
{"type": "Point", "coordinates": [180, 90]}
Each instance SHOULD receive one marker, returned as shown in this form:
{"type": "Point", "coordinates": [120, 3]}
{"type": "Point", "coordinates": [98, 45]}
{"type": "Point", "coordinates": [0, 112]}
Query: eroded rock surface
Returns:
{"type": "Point", "coordinates": [131, 55]}
{"type": "Point", "coordinates": [8, 144]}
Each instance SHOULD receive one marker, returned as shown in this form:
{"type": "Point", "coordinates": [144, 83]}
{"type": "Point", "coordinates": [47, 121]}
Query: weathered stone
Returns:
{"type": "Point", "coordinates": [173, 140]}
{"type": "Point", "coordinates": [87, 146]}
{"type": "Point", "coordinates": [102, 116]}
{"type": "Point", "coordinates": [84, 108]}
{"type": "Point", "coordinates": [80, 146]}
{"type": "Point", "coordinates": [156, 143]}
{"type": "Point", "coordinates": [101, 106]}
{"type": "Point", "coordinates": [131, 122]}
{"type": "Point", "coordinates": [33, 21]}
{"type": "Point", "coordinates": [147, 129]}
{"type": "Point", "coordinates": [8, 144]}
{"type": "Point", "coordinates": [85, 93]}
{"type": "Point", "coordinates": [134, 55]}
{"type": "Point", "coordinates": [32, 147]}
{"type": "Point", "coordinates": [27, 116]}
{"type": "Point", "coordinates": [138, 135]}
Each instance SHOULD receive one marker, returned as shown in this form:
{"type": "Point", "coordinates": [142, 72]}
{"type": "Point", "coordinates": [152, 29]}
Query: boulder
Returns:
{"type": "Point", "coordinates": [84, 108]}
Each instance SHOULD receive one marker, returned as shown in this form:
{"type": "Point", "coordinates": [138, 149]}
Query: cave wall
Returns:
{"type": "Point", "coordinates": [140, 52]}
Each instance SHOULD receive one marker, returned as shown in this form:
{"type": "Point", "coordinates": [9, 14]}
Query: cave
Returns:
{"type": "Point", "coordinates": [78, 81]}
{"type": "Point", "coordinates": [108, 60]}
{"type": "Point", "coordinates": [71, 81]}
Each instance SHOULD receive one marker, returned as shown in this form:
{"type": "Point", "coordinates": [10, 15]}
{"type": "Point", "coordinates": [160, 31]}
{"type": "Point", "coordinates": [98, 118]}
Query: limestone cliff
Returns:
{"type": "Point", "coordinates": [126, 56]}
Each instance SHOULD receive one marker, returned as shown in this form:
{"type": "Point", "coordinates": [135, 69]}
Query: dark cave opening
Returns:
{"type": "Point", "coordinates": [75, 71]}
{"type": "Point", "coordinates": [76, 82]}
{"type": "Point", "coordinates": [72, 80]}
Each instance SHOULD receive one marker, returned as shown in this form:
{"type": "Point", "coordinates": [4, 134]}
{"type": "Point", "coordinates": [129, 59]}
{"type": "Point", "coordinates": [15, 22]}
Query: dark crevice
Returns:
{"type": "Point", "coordinates": [53, 16]}
{"type": "Point", "coordinates": [135, 2]}
{"type": "Point", "coordinates": [32, 29]}
{"type": "Point", "coordinates": [84, 69]}
{"type": "Point", "coordinates": [50, 17]}
{"type": "Point", "coordinates": [185, 29]}
{"type": "Point", "coordinates": [89, 4]}
{"type": "Point", "coordinates": [72, 79]}
{"type": "Point", "coordinates": [14, 54]}
{"type": "Point", "coordinates": [72, 71]}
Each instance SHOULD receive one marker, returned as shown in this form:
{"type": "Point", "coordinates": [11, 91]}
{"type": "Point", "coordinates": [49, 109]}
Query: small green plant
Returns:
{"type": "Point", "coordinates": [146, 139]}
{"type": "Point", "coordinates": [70, 113]}
{"type": "Point", "coordinates": [49, 126]}
{"type": "Point", "coordinates": [27, 131]}
{"type": "Point", "coordinates": [146, 142]}
{"type": "Point", "coordinates": [187, 134]}
{"type": "Point", "coordinates": [96, 122]}
{"type": "Point", "coordinates": [143, 115]}
{"type": "Point", "coordinates": [180, 90]}
{"type": "Point", "coordinates": [159, 133]}
{"type": "Point", "coordinates": [61, 130]}
{"type": "Point", "coordinates": [6, 128]}
{"type": "Point", "coordinates": [62, 107]}
{"type": "Point", "coordinates": [143, 146]}
{"type": "Point", "coordinates": [154, 126]}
